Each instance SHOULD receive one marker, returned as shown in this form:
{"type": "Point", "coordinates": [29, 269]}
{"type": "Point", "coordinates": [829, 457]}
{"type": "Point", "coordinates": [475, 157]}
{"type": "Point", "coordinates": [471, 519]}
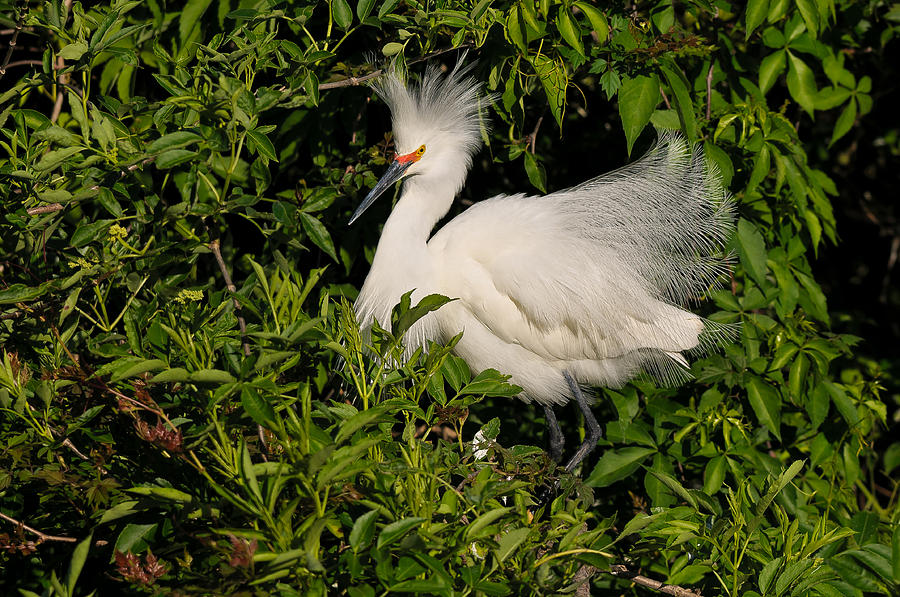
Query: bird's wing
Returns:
{"type": "Point", "coordinates": [561, 298]}
{"type": "Point", "coordinates": [595, 271]}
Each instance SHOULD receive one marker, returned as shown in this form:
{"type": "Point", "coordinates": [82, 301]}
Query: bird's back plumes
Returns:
{"type": "Point", "coordinates": [667, 215]}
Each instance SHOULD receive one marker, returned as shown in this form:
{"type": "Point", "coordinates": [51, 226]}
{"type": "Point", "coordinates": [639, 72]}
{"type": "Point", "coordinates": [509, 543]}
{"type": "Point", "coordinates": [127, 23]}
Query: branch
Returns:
{"type": "Point", "coordinates": [24, 63]}
{"type": "Point", "coordinates": [620, 571]}
{"type": "Point", "coordinates": [532, 138]}
{"type": "Point", "coordinates": [353, 81]}
{"type": "Point", "coordinates": [709, 77]}
{"type": "Point", "coordinates": [214, 247]}
{"type": "Point", "coordinates": [44, 209]}
{"type": "Point", "coordinates": [12, 42]}
{"type": "Point", "coordinates": [63, 78]}
{"type": "Point", "coordinates": [44, 536]}
{"type": "Point", "coordinates": [665, 99]}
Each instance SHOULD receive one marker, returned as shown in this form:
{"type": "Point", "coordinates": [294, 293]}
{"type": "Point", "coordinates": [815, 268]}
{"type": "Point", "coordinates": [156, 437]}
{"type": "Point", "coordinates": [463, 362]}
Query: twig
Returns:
{"type": "Point", "coordinates": [353, 81]}
{"type": "Point", "coordinates": [24, 63]}
{"type": "Point", "coordinates": [532, 138]}
{"type": "Point", "coordinates": [44, 536]}
{"type": "Point", "coordinates": [44, 209]}
{"type": "Point", "coordinates": [620, 571]}
{"type": "Point", "coordinates": [68, 443]}
{"type": "Point", "coordinates": [214, 247]}
{"type": "Point", "coordinates": [665, 99]}
{"type": "Point", "coordinates": [12, 42]}
{"type": "Point", "coordinates": [64, 78]}
{"type": "Point", "coordinates": [41, 536]}
{"type": "Point", "coordinates": [709, 77]}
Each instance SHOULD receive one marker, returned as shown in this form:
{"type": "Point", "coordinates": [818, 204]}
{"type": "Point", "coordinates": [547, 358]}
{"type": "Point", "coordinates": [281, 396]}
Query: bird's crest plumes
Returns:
{"type": "Point", "coordinates": [444, 107]}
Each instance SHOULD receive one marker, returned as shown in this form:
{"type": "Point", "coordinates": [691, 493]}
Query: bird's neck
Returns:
{"type": "Point", "coordinates": [402, 260]}
{"type": "Point", "coordinates": [423, 201]}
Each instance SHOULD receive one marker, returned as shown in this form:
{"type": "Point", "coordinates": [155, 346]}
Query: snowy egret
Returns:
{"type": "Point", "coordinates": [582, 287]}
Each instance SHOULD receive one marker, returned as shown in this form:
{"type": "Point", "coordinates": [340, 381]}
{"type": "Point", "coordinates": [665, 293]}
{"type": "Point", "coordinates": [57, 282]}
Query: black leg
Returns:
{"type": "Point", "coordinates": [593, 428]}
{"type": "Point", "coordinates": [557, 441]}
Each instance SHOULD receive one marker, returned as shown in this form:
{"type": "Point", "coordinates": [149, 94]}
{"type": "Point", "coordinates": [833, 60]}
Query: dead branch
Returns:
{"type": "Point", "coordinates": [44, 536]}
{"type": "Point", "coordinates": [44, 209]}
{"type": "Point", "coordinates": [620, 571]}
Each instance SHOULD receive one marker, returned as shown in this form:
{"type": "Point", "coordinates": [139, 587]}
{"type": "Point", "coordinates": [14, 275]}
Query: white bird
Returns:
{"type": "Point", "coordinates": [581, 287]}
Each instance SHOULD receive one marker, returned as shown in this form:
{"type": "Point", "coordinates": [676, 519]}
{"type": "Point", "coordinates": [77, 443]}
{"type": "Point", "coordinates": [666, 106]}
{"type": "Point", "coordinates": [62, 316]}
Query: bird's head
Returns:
{"type": "Point", "coordinates": [437, 127]}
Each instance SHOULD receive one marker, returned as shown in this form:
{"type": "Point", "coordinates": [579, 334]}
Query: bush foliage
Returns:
{"type": "Point", "coordinates": [186, 405]}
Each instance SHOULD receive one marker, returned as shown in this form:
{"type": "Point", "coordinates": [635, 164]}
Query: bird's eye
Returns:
{"type": "Point", "coordinates": [420, 151]}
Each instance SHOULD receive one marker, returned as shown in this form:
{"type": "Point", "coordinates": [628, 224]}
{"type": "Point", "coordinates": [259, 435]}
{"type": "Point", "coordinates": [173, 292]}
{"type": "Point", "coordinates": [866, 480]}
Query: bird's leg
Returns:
{"type": "Point", "coordinates": [593, 428]}
{"type": "Point", "coordinates": [557, 441]}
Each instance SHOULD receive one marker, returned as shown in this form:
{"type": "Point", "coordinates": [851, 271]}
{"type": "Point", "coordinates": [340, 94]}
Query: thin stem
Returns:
{"type": "Point", "coordinates": [229, 284]}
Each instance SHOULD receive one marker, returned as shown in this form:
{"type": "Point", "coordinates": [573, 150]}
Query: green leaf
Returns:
{"type": "Point", "coordinates": [554, 80]}
{"type": "Point", "coordinates": [407, 318]}
{"type": "Point", "coordinates": [569, 29]}
{"type": "Point", "coordinates": [173, 375]}
{"type": "Point", "coordinates": [363, 531]}
{"type": "Point", "coordinates": [174, 140]}
{"type": "Point", "coordinates": [87, 233]}
{"type": "Point", "coordinates": [535, 171]}
{"type": "Point", "coordinates": [638, 97]}
{"type": "Point", "coordinates": [263, 144]}
{"type": "Point", "coordinates": [361, 419]}
{"type": "Point", "coordinates": [617, 464]}
{"type": "Point", "coordinates": [19, 293]}
{"type": "Point", "coordinates": [801, 83]}
{"type": "Point", "coordinates": [395, 530]}
{"type": "Point", "coordinates": [761, 168]}
{"type": "Point", "coordinates": [54, 158]}
{"type": "Point", "coordinates": [767, 574]}
{"type": "Point", "coordinates": [343, 16]}
{"type": "Point", "coordinates": [120, 510]}
{"type": "Point", "coordinates": [509, 542]}
{"type": "Point", "coordinates": [168, 494]}
{"type": "Point", "coordinates": [132, 534]}
{"type": "Point", "coordinates": [211, 376]}
{"type": "Point", "coordinates": [895, 555]}
{"type": "Point", "coordinates": [318, 234]}
{"type": "Point", "coordinates": [755, 14]}
{"type": "Point", "coordinates": [769, 69]}
{"type": "Point", "coordinates": [752, 250]}
{"type": "Point", "coordinates": [478, 527]}
{"type": "Point", "coordinates": [392, 48]}
{"type": "Point", "coordinates": [490, 382]}
{"type": "Point", "coordinates": [714, 474]}
{"type": "Point", "coordinates": [191, 15]}
{"type": "Point", "coordinates": [810, 14]}
{"type": "Point", "coordinates": [597, 19]}
{"type": "Point", "coordinates": [133, 369]}
{"type": "Point", "coordinates": [515, 29]}
{"type": "Point", "coordinates": [683, 104]}
{"type": "Point", "coordinates": [845, 121]}
{"type": "Point", "coordinates": [766, 404]}
{"type": "Point", "coordinates": [173, 157]}
{"type": "Point", "coordinates": [364, 9]}
{"type": "Point", "coordinates": [79, 556]}
{"type": "Point", "coordinates": [257, 407]}
{"type": "Point", "coordinates": [73, 51]}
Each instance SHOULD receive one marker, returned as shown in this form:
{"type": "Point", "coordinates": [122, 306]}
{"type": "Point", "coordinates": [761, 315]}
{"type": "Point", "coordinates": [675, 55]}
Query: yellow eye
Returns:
{"type": "Point", "coordinates": [420, 151]}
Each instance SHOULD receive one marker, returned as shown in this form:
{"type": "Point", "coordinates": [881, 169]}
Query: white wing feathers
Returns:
{"type": "Point", "coordinates": [596, 271]}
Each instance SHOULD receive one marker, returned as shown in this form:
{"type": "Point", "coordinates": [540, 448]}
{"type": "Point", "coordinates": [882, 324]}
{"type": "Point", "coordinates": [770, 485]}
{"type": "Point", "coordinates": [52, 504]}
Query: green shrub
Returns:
{"type": "Point", "coordinates": [184, 396]}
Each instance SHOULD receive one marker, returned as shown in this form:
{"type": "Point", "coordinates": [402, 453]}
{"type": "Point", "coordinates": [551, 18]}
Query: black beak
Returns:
{"type": "Point", "coordinates": [394, 173]}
